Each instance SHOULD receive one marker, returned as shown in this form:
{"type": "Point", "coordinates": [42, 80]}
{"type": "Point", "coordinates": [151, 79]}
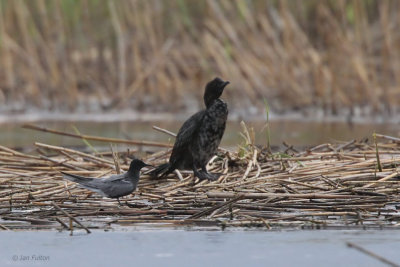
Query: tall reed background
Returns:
{"type": "Point", "coordinates": [330, 55]}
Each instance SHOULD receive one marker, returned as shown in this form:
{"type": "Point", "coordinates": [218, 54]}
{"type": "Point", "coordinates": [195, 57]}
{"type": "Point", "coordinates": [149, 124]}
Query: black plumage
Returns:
{"type": "Point", "coordinates": [199, 137]}
{"type": "Point", "coordinates": [114, 186]}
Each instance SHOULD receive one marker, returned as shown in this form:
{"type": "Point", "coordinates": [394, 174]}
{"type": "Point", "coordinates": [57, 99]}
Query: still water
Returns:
{"type": "Point", "coordinates": [298, 133]}
{"type": "Point", "coordinates": [197, 248]}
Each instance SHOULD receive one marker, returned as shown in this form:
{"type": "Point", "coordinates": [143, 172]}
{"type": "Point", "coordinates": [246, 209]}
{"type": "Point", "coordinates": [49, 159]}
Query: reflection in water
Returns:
{"type": "Point", "coordinates": [292, 132]}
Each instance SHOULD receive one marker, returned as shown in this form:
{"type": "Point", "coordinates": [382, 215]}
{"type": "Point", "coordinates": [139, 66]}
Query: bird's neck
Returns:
{"type": "Point", "coordinates": [209, 102]}
{"type": "Point", "coordinates": [134, 174]}
{"type": "Point", "coordinates": [214, 102]}
{"type": "Point", "coordinates": [209, 97]}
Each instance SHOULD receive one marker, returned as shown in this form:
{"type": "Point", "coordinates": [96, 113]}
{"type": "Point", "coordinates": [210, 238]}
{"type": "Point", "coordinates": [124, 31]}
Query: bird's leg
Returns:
{"type": "Point", "coordinates": [201, 175]}
{"type": "Point", "coordinates": [119, 202]}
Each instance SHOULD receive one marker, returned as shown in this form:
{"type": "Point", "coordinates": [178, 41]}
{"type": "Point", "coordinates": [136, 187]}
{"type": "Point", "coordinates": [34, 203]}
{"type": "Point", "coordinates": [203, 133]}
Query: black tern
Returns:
{"type": "Point", "coordinates": [114, 186]}
{"type": "Point", "coordinates": [199, 137]}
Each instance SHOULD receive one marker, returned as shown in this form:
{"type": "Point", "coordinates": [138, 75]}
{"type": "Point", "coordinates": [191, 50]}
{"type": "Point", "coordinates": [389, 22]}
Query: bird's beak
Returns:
{"type": "Point", "coordinates": [148, 165]}
{"type": "Point", "coordinates": [225, 84]}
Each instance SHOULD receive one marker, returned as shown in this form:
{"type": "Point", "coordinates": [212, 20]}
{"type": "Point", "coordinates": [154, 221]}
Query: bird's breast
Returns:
{"type": "Point", "coordinates": [218, 110]}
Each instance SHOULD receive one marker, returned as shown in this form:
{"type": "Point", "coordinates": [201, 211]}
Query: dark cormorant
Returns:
{"type": "Point", "coordinates": [199, 137]}
{"type": "Point", "coordinates": [115, 186]}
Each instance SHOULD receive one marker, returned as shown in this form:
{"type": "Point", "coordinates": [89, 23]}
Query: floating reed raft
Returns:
{"type": "Point", "coordinates": [345, 185]}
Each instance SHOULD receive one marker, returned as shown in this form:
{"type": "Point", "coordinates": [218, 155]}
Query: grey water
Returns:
{"type": "Point", "coordinates": [293, 132]}
{"type": "Point", "coordinates": [168, 247]}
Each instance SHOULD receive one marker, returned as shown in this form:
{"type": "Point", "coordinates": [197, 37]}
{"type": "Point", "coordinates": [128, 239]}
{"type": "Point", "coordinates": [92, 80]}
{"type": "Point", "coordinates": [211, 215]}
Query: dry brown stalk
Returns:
{"type": "Point", "coordinates": [164, 131]}
{"type": "Point", "coordinates": [219, 206]}
{"type": "Point", "coordinates": [96, 138]}
{"type": "Point", "coordinates": [71, 217]}
{"type": "Point", "coordinates": [372, 254]}
{"type": "Point", "coordinates": [284, 195]}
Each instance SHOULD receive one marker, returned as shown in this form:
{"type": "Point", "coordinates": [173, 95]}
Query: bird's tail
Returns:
{"type": "Point", "coordinates": [160, 171]}
{"type": "Point", "coordinates": [85, 181]}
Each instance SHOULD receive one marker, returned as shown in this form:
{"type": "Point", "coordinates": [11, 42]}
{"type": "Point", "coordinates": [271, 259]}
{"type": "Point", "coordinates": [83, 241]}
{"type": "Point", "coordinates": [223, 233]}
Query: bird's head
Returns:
{"type": "Point", "coordinates": [214, 90]}
{"type": "Point", "coordinates": [137, 165]}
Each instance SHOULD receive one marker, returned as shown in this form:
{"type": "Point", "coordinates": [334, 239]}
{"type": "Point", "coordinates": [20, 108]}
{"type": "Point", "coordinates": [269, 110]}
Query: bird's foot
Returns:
{"type": "Point", "coordinates": [202, 175]}
{"type": "Point", "coordinates": [212, 176]}
{"type": "Point", "coordinates": [131, 205]}
{"type": "Point", "coordinates": [215, 176]}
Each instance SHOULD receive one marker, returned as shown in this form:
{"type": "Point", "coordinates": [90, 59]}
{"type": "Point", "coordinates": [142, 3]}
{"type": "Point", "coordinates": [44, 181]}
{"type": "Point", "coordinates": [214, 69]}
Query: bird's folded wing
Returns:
{"type": "Point", "coordinates": [116, 177]}
{"type": "Point", "coordinates": [118, 189]}
{"type": "Point", "coordinates": [187, 133]}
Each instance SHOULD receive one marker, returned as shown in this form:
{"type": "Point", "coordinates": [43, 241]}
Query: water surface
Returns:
{"type": "Point", "coordinates": [298, 133]}
{"type": "Point", "coordinates": [197, 248]}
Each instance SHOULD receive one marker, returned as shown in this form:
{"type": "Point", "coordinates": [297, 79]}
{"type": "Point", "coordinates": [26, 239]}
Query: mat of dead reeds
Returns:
{"type": "Point", "coordinates": [344, 185]}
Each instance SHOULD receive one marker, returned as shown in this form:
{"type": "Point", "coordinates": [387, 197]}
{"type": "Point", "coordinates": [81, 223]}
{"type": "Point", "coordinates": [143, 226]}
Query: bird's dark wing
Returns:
{"type": "Point", "coordinates": [185, 135]}
{"type": "Point", "coordinates": [117, 188]}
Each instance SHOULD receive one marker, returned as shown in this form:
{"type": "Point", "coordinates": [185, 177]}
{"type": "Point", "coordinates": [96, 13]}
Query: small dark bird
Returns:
{"type": "Point", "coordinates": [199, 137]}
{"type": "Point", "coordinates": [115, 186]}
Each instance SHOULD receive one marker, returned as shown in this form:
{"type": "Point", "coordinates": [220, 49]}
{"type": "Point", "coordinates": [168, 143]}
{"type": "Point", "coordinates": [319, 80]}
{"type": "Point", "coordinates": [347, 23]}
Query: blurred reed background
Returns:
{"type": "Point", "coordinates": [338, 56]}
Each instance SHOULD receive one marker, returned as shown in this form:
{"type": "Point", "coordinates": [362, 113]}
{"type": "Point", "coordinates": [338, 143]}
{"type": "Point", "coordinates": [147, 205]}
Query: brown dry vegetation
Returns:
{"type": "Point", "coordinates": [334, 55]}
{"type": "Point", "coordinates": [352, 185]}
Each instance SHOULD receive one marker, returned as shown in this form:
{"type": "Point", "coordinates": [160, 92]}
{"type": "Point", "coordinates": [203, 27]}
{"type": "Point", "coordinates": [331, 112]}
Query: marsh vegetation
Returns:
{"type": "Point", "coordinates": [89, 55]}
